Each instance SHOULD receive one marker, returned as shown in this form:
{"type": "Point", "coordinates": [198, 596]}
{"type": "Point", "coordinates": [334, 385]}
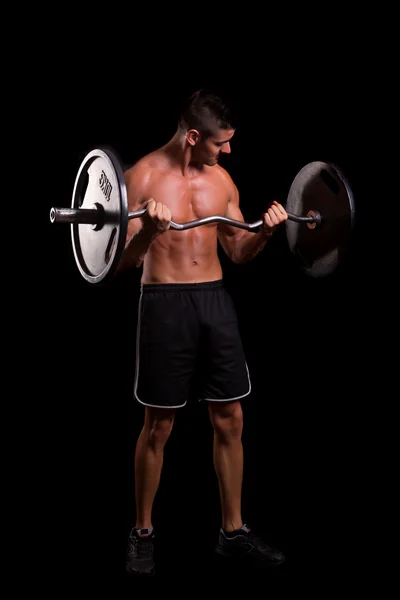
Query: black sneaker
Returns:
{"type": "Point", "coordinates": [140, 553]}
{"type": "Point", "coordinates": [243, 544]}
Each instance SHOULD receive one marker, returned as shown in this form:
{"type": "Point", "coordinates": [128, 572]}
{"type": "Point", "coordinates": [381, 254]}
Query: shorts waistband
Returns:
{"type": "Point", "coordinates": [182, 287]}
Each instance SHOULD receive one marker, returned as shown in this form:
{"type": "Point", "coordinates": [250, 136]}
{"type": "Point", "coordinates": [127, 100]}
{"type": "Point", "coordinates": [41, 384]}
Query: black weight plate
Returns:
{"type": "Point", "coordinates": [320, 186]}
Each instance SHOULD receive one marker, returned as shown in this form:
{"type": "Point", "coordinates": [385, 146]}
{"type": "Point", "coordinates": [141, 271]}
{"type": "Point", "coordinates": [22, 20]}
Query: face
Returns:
{"type": "Point", "coordinates": [207, 150]}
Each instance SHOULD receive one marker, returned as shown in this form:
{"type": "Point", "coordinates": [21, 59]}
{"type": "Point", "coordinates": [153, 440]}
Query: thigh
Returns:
{"type": "Point", "coordinates": [166, 346]}
{"type": "Point", "coordinates": [225, 374]}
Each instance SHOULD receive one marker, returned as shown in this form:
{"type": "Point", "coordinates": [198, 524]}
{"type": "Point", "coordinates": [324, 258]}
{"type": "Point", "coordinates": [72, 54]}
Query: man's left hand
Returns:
{"type": "Point", "coordinates": [274, 216]}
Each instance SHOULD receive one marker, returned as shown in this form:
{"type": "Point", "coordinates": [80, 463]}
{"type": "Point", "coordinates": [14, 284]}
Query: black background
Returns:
{"type": "Point", "coordinates": [308, 349]}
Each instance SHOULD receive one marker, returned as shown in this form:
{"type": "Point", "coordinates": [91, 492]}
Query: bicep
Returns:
{"type": "Point", "coordinates": [229, 235]}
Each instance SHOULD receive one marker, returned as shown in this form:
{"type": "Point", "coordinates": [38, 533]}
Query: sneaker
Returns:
{"type": "Point", "coordinates": [140, 553]}
{"type": "Point", "coordinates": [243, 544]}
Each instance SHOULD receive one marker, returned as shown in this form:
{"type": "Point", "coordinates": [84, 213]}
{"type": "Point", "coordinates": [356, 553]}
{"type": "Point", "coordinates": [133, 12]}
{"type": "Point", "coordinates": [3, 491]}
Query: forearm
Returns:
{"type": "Point", "coordinates": [249, 245]}
{"type": "Point", "coordinates": [136, 248]}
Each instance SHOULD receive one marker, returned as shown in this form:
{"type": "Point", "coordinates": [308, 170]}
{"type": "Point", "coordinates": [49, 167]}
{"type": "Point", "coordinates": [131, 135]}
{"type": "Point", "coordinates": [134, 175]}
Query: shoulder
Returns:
{"type": "Point", "coordinates": [139, 176]}
{"type": "Point", "coordinates": [142, 169]}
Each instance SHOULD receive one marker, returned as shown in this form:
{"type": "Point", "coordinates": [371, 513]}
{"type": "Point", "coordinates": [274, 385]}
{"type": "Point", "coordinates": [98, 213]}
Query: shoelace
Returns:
{"type": "Point", "coordinates": [143, 546]}
{"type": "Point", "coordinates": [258, 542]}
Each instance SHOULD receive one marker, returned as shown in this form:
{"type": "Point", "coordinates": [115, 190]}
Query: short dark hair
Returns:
{"type": "Point", "coordinates": [206, 110]}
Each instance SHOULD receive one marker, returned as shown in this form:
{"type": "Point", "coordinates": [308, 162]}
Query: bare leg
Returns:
{"type": "Point", "coordinates": [149, 457]}
{"type": "Point", "coordinates": [227, 421]}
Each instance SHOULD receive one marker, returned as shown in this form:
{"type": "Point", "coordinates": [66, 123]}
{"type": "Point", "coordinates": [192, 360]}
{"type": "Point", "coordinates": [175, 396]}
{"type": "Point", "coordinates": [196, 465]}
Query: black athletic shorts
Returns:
{"type": "Point", "coordinates": [188, 343]}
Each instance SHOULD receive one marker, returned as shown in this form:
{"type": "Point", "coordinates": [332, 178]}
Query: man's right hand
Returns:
{"type": "Point", "coordinates": [157, 217]}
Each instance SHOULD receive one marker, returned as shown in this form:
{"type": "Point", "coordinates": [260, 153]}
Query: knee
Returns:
{"type": "Point", "coordinates": [159, 429]}
{"type": "Point", "coordinates": [227, 420]}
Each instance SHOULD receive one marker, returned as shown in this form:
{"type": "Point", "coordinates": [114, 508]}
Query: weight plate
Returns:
{"type": "Point", "coordinates": [100, 183]}
{"type": "Point", "coordinates": [320, 249]}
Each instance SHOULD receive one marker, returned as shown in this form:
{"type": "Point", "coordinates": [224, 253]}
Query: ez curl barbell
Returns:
{"type": "Point", "coordinates": [319, 198]}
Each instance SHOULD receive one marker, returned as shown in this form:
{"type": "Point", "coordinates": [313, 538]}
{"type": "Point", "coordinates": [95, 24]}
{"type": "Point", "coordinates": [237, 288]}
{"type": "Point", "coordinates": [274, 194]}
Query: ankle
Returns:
{"type": "Point", "coordinates": [232, 525]}
{"type": "Point", "coordinates": [143, 525]}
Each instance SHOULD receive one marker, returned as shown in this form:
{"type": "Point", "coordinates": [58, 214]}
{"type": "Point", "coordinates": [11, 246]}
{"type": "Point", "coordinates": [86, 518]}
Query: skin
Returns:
{"type": "Point", "coordinates": [182, 181]}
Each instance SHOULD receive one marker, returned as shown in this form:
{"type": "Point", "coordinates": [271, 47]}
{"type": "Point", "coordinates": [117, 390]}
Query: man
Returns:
{"type": "Point", "coordinates": [185, 310]}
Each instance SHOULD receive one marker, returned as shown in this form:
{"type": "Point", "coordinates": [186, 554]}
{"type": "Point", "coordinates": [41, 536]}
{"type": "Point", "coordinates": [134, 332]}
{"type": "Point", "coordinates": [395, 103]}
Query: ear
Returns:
{"type": "Point", "coordinates": [193, 136]}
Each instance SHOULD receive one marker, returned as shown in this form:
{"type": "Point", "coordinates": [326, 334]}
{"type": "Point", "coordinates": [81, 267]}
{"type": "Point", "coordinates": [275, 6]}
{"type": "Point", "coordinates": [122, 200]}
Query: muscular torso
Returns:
{"type": "Point", "coordinates": [190, 255]}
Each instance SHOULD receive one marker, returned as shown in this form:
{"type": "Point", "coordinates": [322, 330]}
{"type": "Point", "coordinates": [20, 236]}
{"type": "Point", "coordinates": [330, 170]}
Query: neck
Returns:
{"type": "Point", "coordinates": [181, 153]}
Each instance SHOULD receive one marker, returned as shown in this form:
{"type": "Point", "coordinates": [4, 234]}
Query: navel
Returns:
{"type": "Point", "coordinates": [194, 263]}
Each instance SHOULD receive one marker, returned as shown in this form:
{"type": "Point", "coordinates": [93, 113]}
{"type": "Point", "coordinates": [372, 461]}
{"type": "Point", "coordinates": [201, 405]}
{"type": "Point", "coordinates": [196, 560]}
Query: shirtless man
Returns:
{"type": "Point", "coordinates": [185, 310]}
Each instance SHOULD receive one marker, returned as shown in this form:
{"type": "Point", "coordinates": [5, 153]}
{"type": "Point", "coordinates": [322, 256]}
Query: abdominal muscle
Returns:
{"type": "Point", "coordinates": [183, 257]}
